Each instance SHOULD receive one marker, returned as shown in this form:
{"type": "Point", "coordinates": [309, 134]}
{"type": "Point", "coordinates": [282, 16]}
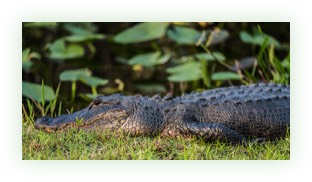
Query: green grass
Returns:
{"type": "Point", "coordinates": [75, 144]}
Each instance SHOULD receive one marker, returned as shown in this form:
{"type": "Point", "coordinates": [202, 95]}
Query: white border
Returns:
{"type": "Point", "coordinates": [14, 12]}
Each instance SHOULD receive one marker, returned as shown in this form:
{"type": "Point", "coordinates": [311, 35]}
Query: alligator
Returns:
{"type": "Point", "coordinates": [230, 114]}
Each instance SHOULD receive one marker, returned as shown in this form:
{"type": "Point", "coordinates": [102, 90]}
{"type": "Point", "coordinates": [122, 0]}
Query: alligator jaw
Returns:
{"type": "Point", "coordinates": [84, 119]}
{"type": "Point", "coordinates": [61, 122]}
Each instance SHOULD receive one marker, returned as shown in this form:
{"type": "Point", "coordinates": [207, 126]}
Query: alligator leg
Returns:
{"type": "Point", "coordinates": [214, 131]}
{"type": "Point", "coordinates": [185, 122]}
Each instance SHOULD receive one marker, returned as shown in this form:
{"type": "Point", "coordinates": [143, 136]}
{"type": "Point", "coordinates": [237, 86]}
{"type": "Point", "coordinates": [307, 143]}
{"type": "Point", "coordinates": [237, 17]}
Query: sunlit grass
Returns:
{"type": "Point", "coordinates": [82, 145]}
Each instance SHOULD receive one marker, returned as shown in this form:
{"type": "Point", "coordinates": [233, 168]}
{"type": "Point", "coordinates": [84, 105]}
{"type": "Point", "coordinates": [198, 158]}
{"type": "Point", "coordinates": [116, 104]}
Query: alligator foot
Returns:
{"type": "Point", "coordinates": [214, 131]}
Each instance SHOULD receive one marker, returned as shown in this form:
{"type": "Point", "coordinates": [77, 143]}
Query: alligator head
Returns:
{"type": "Point", "coordinates": [135, 115]}
{"type": "Point", "coordinates": [103, 112]}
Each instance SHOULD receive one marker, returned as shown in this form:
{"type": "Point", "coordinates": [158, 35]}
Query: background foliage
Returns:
{"type": "Point", "coordinates": [71, 63]}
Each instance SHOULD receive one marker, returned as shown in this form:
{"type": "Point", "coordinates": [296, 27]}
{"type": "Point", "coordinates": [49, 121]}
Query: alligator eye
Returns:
{"type": "Point", "coordinates": [97, 101]}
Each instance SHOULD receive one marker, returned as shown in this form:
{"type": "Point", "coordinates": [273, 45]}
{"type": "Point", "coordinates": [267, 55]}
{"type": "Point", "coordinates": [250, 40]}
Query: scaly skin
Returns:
{"type": "Point", "coordinates": [231, 114]}
{"type": "Point", "coordinates": [135, 115]}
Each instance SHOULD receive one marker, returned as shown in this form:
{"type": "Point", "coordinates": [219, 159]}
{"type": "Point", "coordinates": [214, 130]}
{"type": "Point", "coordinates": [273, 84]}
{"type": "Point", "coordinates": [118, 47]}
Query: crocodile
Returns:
{"type": "Point", "coordinates": [231, 114]}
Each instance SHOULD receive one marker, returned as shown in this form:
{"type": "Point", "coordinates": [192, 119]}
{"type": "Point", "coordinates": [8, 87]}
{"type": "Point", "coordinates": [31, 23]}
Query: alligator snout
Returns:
{"type": "Point", "coordinates": [52, 124]}
{"type": "Point", "coordinates": [42, 121]}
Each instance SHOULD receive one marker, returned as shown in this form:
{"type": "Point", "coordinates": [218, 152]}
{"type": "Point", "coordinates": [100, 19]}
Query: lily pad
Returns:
{"type": "Point", "coordinates": [74, 75]}
{"type": "Point", "coordinates": [85, 28]}
{"type": "Point", "coordinates": [142, 32]}
{"type": "Point", "coordinates": [151, 87]}
{"type": "Point", "coordinates": [93, 81]}
{"type": "Point", "coordinates": [188, 71]}
{"type": "Point", "coordinates": [222, 76]}
{"type": "Point", "coordinates": [208, 57]}
{"type": "Point", "coordinates": [84, 38]}
{"type": "Point", "coordinates": [59, 50]}
{"type": "Point", "coordinates": [83, 75]}
{"type": "Point", "coordinates": [183, 35]}
{"type": "Point", "coordinates": [149, 59]}
{"type": "Point", "coordinates": [34, 91]}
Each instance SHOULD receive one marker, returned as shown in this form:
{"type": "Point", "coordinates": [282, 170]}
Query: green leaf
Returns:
{"type": "Point", "coordinates": [258, 39]}
{"type": "Point", "coordinates": [72, 51]}
{"type": "Point", "coordinates": [84, 38]}
{"type": "Point", "coordinates": [146, 59]}
{"type": "Point", "coordinates": [163, 59]}
{"type": "Point", "coordinates": [85, 28]}
{"type": "Point", "coordinates": [74, 75]}
{"type": "Point", "coordinates": [58, 50]}
{"type": "Point", "coordinates": [26, 63]}
{"type": "Point", "coordinates": [149, 59]}
{"type": "Point", "coordinates": [208, 57]}
{"type": "Point", "coordinates": [83, 75]}
{"type": "Point", "coordinates": [246, 37]}
{"type": "Point", "coordinates": [27, 56]}
{"type": "Point", "coordinates": [151, 88]}
{"type": "Point", "coordinates": [141, 32]}
{"type": "Point", "coordinates": [93, 81]}
{"type": "Point", "coordinates": [57, 46]}
{"type": "Point", "coordinates": [34, 91]}
{"type": "Point", "coordinates": [184, 35]}
{"type": "Point", "coordinates": [188, 71]}
{"type": "Point", "coordinates": [225, 76]}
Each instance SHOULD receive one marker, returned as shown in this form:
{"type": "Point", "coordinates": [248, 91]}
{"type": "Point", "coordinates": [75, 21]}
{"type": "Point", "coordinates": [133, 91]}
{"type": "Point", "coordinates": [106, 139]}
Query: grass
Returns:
{"type": "Point", "coordinates": [75, 144]}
